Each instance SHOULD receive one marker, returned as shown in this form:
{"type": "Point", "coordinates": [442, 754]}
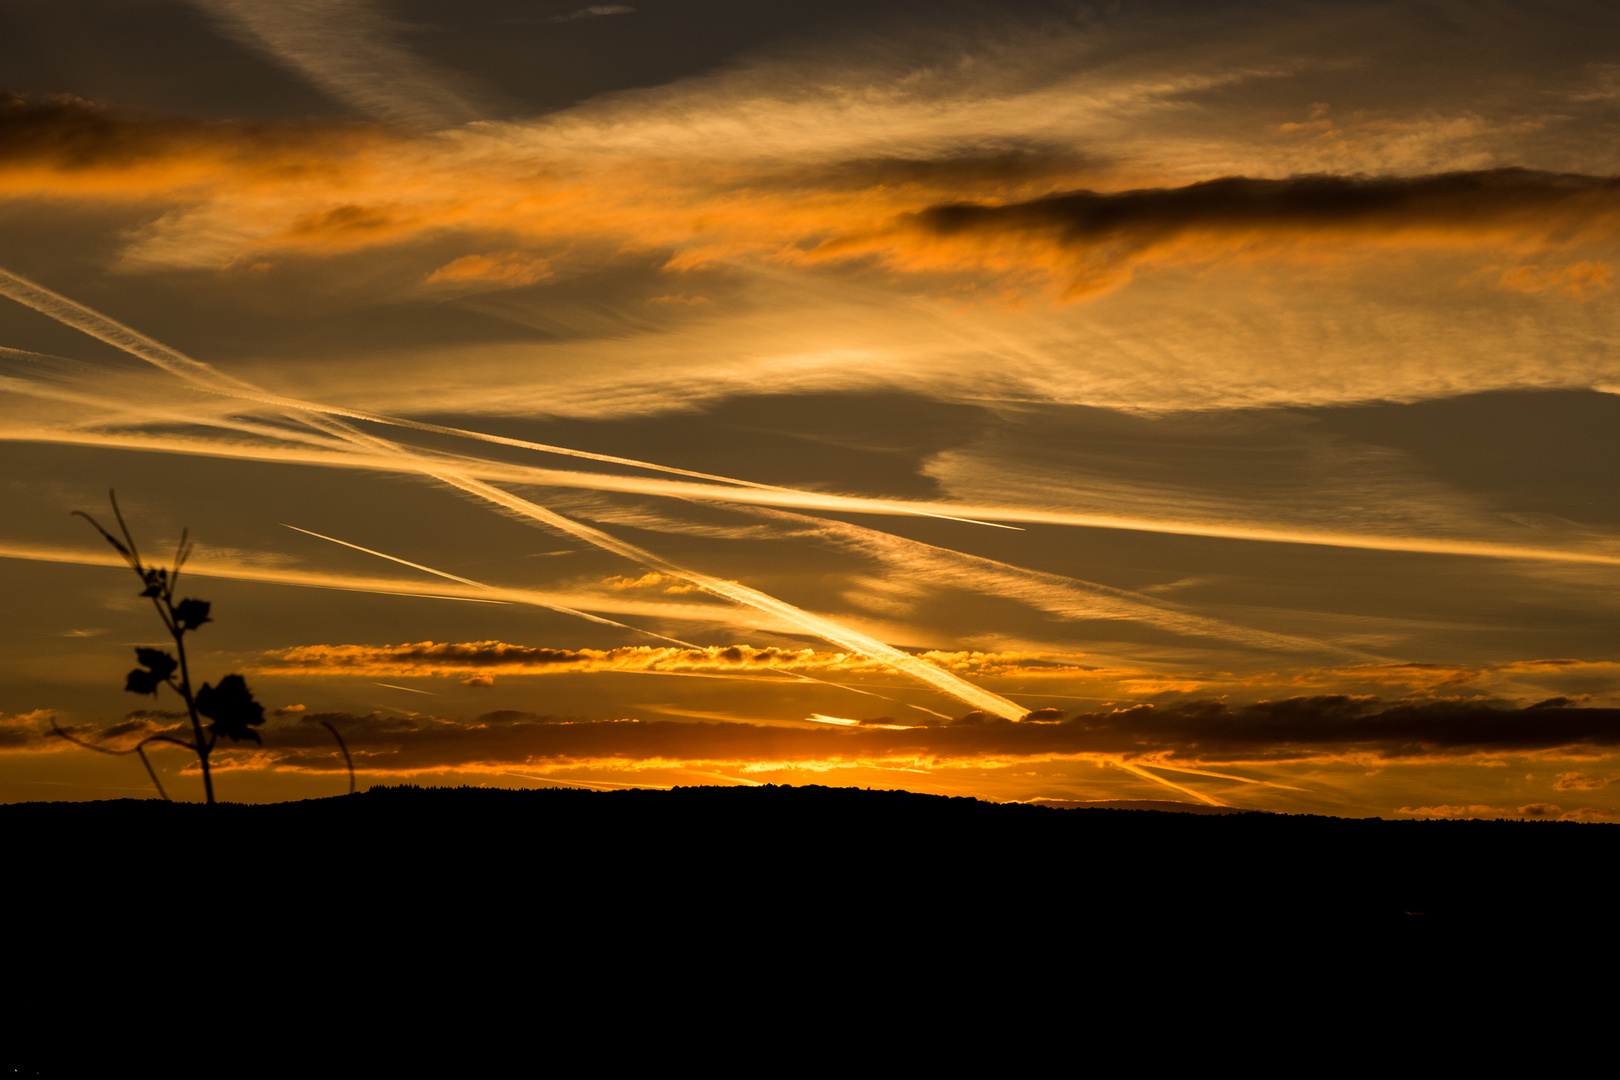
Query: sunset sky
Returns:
{"type": "Point", "coordinates": [1034, 401]}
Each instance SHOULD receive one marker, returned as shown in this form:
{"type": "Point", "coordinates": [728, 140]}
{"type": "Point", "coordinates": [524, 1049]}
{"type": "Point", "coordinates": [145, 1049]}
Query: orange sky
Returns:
{"type": "Point", "coordinates": [1211, 403]}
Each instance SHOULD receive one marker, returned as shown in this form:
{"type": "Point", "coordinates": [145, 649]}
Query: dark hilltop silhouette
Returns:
{"type": "Point", "coordinates": [776, 850]}
{"type": "Point", "coordinates": [643, 920]}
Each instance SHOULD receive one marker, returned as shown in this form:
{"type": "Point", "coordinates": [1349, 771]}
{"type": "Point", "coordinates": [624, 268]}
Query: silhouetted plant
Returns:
{"type": "Point", "coordinates": [229, 705]}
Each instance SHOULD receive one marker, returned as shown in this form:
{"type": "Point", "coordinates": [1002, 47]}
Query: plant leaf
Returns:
{"type": "Point", "coordinates": [156, 666]}
{"type": "Point", "coordinates": [161, 663]}
{"type": "Point", "coordinates": [191, 614]}
{"type": "Point", "coordinates": [232, 708]}
{"type": "Point", "coordinates": [142, 681]}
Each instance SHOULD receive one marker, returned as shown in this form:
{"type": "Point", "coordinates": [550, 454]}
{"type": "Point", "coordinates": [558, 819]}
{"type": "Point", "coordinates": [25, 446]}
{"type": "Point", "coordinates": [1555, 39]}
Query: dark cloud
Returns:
{"type": "Point", "coordinates": [69, 133]}
{"type": "Point", "coordinates": [21, 733]}
{"type": "Point", "coordinates": [1300, 728]}
{"type": "Point", "coordinates": [1240, 203]}
{"type": "Point", "coordinates": [1275, 731]}
{"type": "Point", "coordinates": [1004, 168]}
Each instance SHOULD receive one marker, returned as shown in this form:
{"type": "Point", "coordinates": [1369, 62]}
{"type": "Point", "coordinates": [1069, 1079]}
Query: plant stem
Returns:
{"type": "Point", "coordinates": [176, 632]}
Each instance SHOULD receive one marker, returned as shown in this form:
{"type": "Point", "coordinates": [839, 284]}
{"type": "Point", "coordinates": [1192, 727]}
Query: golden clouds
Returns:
{"type": "Point", "coordinates": [652, 580]}
{"type": "Point", "coordinates": [1013, 221]}
{"type": "Point", "coordinates": [503, 268]}
{"type": "Point", "coordinates": [1574, 781]}
{"type": "Point", "coordinates": [1580, 280]}
{"type": "Point", "coordinates": [1550, 682]}
{"type": "Point", "coordinates": [428, 658]}
{"type": "Point", "coordinates": [28, 731]}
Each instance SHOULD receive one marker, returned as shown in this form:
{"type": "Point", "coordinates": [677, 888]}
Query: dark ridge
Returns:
{"type": "Point", "coordinates": [829, 849]}
{"type": "Point", "coordinates": [717, 910]}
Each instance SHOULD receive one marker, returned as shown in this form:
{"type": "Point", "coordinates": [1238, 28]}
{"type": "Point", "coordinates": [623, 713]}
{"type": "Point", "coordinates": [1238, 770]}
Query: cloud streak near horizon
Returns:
{"type": "Point", "coordinates": [1299, 730]}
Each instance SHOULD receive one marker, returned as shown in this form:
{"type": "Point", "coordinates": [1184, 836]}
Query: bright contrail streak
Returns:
{"type": "Point", "coordinates": [569, 611]}
{"type": "Point", "coordinates": [1226, 776]}
{"type": "Point", "coordinates": [315, 453]}
{"type": "Point", "coordinates": [377, 418]}
{"type": "Point", "coordinates": [411, 689]}
{"type": "Point", "coordinates": [99, 326]}
{"type": "Point", "coordinates": [481, 585]}
{"type": "Point", "coordinates": [71, 313]}
{"type": "Point", "coordinates": [201, 566]}
{"type": "Point", "coordinates": [147, 414]}
{"type": "Point", "coordinates": [88, 321]}
{"type": "Point", "coordinates": [834, 632]}
{"type": "Point", "coordinates": [1145, 775]}
{"type": "Point", "coordinates": [1052, 593]}
{"type": "Point", "coordinates": [104, 329]}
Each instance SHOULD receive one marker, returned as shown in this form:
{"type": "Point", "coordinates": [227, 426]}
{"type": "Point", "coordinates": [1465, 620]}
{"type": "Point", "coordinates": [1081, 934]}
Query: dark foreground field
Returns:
{"type": "Point", "coordinates": [660, 926]}
{"type": "Point", "coordinates": [825, 858]}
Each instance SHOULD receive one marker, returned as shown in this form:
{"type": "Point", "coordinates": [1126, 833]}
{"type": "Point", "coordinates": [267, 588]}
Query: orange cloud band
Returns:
{"type": "Point", "coordinates": [1332, 728]}
{"type": "Point", "coordinates": [243, 192]}
{"type": "Point", "coordinates": [494, 657]}
{"type": "Point", "coordinates": [428, 658]}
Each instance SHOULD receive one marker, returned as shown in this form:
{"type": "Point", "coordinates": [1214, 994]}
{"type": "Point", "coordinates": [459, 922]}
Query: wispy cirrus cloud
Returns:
{"type": "Point", "coordinates": [932, 273]}
{"type": "Point", "coordinates": [350, 49]}
{"type": "Point", "coordinates": [959, 211]}
{"type": "Point", "coordinates": [595, 11]}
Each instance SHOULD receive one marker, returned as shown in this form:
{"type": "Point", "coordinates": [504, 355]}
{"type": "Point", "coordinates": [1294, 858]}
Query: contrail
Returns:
{"type": "Point", "coordinates": [1226, 776]}
{"type": "Point", "coordinates": [113, 333]}
{"type": "Point", "coordinates": [276, 401]}
{"type": "Point", "coordinates": [412, 689]}
{"type": "Point", "coordinates": [77, 315]}
{"type": "Point", "coordinates": [201, 566]}
{"type": "Point", "coordinates": [88, 321]}
{"type": "Point", "coordinates": [349, 49]}
{"type": "Point", "coordinates": [481, 585]}
{"type": "Point", "coordinates": [334, 456]}
{"type": "Point", "coordinates": [1066, 597]}
{"type": "Point", "coordinates": [569, 611]}
{"type": "Point", "coordinates": [148, 413]}
{"type": "Point", "coordinates": [825, 628]}
{"type": "Point", "coordinates": [72, 313]}
{"type": "Point", "coordinates": [319, 452]}
{"type": "Point", "coordinates": [1145, 775]}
